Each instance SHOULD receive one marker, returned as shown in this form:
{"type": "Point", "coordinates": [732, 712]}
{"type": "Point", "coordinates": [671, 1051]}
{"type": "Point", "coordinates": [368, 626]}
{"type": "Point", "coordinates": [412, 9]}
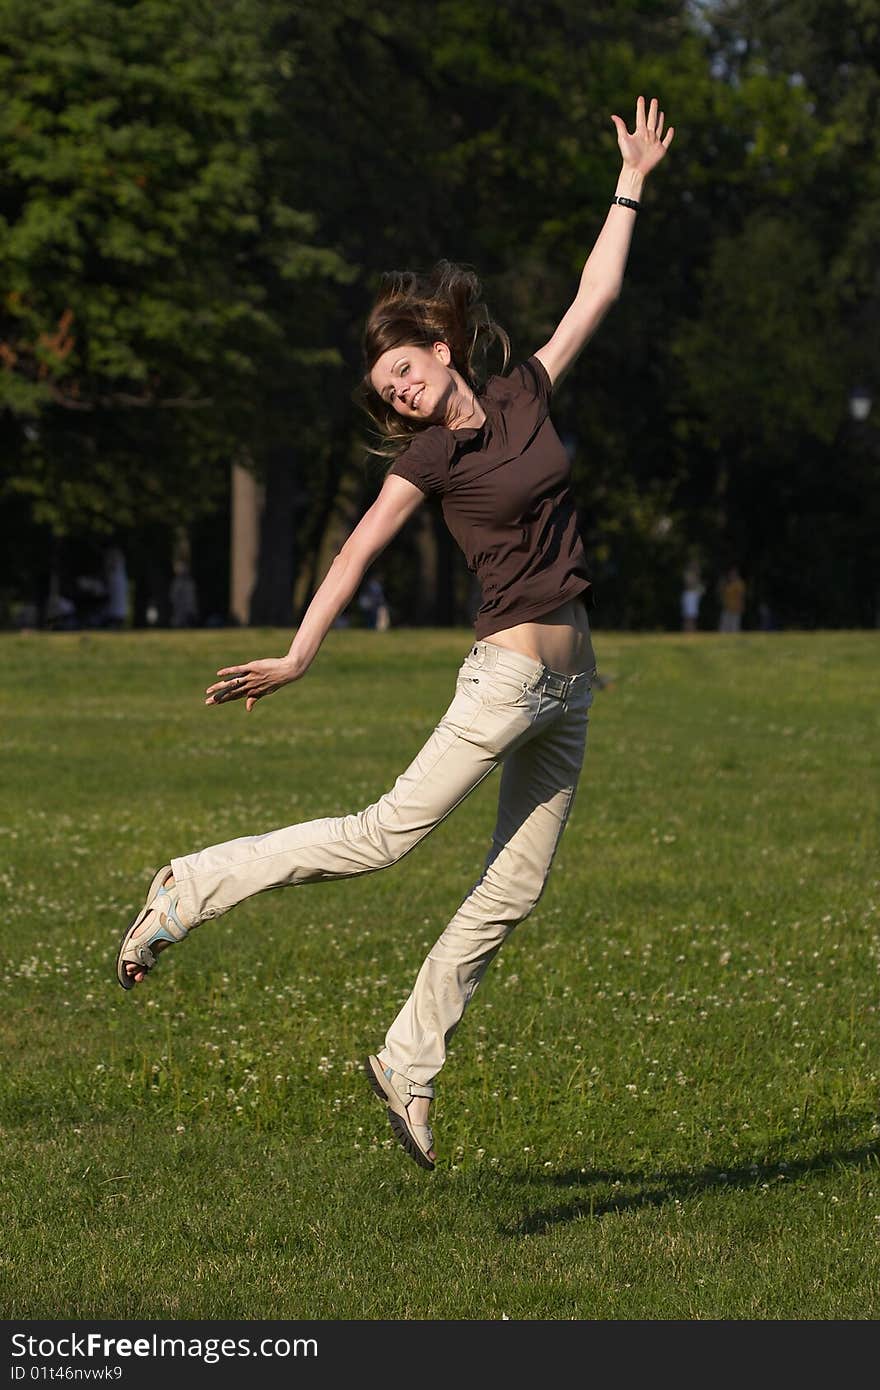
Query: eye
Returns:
{"type": "Point", "coordinates": [404, 369]}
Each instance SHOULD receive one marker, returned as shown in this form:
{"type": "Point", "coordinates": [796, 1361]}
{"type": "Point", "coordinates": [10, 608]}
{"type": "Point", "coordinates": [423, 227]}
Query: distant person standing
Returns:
{"type": "Point", "coordinates": [115, 614]}
{"type": "Point", "coordinates": [374, 605]}
{"type": "Point", "coordinates": [732, 592]}
{"type": "Point", "coordinates": [691, 596]}
{"type": "Point", "coordinates": [183, 598]}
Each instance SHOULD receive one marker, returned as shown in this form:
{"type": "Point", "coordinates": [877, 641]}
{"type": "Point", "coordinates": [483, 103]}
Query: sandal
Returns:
{"type": "Point", "coordinates": [157, 921]}
{"type": "Point", "coordinates": [396, 1091]}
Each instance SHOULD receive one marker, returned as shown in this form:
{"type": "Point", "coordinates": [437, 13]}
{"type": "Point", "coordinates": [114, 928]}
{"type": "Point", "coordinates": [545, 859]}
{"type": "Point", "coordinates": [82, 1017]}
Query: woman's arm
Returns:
{"type": "Point", "coordinates": [602, 276]}
{"type": "Point", "coordinates": [251, 680]}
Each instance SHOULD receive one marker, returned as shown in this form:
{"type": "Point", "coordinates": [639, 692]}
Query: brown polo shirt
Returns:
{"type": "Point", "coordinates": [505, 494]}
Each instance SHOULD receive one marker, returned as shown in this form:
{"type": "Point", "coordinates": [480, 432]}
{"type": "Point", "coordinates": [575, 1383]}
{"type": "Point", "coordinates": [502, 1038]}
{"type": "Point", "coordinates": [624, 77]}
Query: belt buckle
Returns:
{"type": "Point", "coordinates": [557, 686]}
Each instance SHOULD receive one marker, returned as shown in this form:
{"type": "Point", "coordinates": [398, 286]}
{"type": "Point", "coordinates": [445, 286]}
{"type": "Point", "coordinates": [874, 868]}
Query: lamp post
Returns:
{"type": "Point", "coordinates": [860, 402]}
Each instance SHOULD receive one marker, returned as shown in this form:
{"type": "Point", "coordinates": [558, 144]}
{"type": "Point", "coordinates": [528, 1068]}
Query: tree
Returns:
{"type": "Point", "coordinates": [790, 308]}
{"type": "Point", "coordinates": [200, 200]}
{"type": "Point", "coordinates": [157, 287]}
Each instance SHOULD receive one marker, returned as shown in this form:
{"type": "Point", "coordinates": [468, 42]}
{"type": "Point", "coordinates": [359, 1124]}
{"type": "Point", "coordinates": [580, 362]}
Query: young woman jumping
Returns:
{"type": "Point", "coordinates": [523, 693]}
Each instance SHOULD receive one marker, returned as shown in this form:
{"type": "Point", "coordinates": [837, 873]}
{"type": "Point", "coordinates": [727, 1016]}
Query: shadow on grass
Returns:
{"type": "Point", "coordinates": [656, 1189]}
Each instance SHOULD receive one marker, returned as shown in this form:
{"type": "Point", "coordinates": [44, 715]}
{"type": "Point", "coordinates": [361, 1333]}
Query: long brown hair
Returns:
{"type": "Point", "coordinates": [413, 310]}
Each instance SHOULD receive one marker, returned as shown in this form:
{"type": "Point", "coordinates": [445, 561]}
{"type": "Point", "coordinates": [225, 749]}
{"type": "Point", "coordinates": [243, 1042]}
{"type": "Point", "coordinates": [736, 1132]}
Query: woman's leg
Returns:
{"type": "Point", "coordinates": [537, 790]}
{"type": "Point", "coordinates": [464, 748]}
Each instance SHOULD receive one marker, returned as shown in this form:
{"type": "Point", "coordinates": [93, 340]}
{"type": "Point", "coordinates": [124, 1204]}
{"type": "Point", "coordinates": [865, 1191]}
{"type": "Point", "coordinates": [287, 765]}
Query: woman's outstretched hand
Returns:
{"type": "Point", "coordinates": [645, 147]}
{"type": "Point", "coordinates": [250, 681]}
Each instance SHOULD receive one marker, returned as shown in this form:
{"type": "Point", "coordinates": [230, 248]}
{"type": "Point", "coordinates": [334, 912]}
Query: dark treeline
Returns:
{"type": "Point", "coordinates": [197, 200]}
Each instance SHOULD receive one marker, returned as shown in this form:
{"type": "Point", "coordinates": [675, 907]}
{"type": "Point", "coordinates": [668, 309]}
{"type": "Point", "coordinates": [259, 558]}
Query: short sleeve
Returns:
{"type": "Point", "coordinates": [534, 379]}
{"type": "Point", "coordinates": [425, 462]}
{"type": "Point", "coordinates": [527, 382]}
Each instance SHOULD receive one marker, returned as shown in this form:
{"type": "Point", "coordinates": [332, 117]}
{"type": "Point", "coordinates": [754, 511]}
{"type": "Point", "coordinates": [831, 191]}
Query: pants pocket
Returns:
{"type": "Point", "coordinates": [499, 689]}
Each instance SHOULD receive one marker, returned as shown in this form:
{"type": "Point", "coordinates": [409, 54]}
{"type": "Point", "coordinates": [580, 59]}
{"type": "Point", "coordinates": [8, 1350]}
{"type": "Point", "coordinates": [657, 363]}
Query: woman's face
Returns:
{"type": "Point", "coordinates": [415, 381]}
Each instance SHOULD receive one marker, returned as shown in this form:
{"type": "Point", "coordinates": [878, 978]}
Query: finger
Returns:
{"type": "Point", "coordinates": [640, 116]}
{"type": "Point", "coordinates": [620, 127]}
{"type": "Point", "coordinates": [651, 123]}
{"type": "Point", "coordinates": [667, 139]}
{"type": "Point", "coordinates": [233, 671]}
{"type": "Point", "coordinates": [659, 131]}
{"type": "Point", "coordinates": [224, 693]}
{"type": "Point", "coordinates": [225, 685]}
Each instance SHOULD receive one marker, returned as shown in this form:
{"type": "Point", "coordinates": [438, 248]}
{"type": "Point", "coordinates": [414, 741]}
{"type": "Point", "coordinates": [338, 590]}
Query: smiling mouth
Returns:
{"type": "Point", "coordinates": [416, 398]}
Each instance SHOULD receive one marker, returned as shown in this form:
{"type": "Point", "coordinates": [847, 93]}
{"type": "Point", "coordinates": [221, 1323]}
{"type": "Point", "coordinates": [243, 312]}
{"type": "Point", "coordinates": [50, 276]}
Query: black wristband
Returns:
{"type": "Point", "coordinates": [626, 202]}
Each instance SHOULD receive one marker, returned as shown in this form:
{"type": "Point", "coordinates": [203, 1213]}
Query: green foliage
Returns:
{"type": "Point", "coordinates": [766, 358]}
{"type": "Point", "coordinates": [143, 250]}
{"type": "Point", "coordinates": [198, 201]}
{"type": "Point", "coordinates": [789, 308]}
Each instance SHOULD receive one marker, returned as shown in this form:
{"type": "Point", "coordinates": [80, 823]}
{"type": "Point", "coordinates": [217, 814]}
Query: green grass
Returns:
{"type": "Point", "coordinates": [662, 1104]}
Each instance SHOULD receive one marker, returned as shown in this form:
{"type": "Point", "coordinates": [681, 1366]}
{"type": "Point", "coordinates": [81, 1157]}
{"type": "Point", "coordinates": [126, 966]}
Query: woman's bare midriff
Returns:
{"type": "Point", "coordinates": [561, 639]}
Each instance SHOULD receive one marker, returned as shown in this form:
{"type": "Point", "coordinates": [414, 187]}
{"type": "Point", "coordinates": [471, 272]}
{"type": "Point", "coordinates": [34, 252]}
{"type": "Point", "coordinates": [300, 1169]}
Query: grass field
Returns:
{"type": "Point", "coordinates": [662, 1103]}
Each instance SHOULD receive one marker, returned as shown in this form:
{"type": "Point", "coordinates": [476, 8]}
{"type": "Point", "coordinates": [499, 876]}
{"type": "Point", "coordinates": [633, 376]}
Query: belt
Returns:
{"type": "Point", "coordinates": [554, 683]}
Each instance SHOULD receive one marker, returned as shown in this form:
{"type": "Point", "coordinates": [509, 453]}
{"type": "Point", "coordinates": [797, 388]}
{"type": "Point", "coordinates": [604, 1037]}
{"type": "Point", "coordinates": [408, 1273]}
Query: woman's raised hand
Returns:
{"type": "Point", "coordinates": [250, 681]}
{"type": "Point", "coordinates": [643, 149]}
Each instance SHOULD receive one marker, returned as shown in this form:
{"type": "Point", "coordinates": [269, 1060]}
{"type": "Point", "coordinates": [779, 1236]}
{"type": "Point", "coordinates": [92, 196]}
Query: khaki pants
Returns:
{"type": "Point", "coordinates": [507, 709]}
